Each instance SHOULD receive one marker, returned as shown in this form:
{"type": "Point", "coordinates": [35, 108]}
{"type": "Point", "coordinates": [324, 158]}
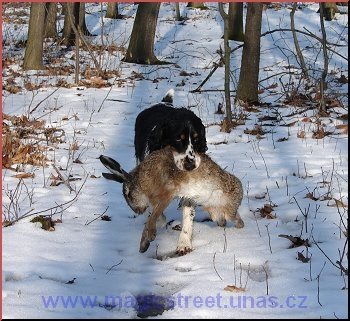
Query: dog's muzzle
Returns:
{"type": "Point", "coordinates": [189, 163]}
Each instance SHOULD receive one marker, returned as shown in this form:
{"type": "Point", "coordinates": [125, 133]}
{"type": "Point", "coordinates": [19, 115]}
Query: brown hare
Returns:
{"type": "Point", "coordinates": [156, 181]}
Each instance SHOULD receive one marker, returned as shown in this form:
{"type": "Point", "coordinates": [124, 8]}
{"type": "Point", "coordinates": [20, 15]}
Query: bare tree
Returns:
{"type": "Point", "coordinates": [249, 75]}
{"type": "Point", "coordinates": [112, 10]}
{"type": "Point", "coordinates": [141, 45]}
{"type": "Point", "coordinates": [68, 36]}
{"type": "Point", "coordinates": [329, 10]}
{"type": "Point", "coordinates": [296, 43]}
{"type": "Point", "coordinates": [33, 57]}
{"type": "Point", "coordinates": [227, 52]}
{"type": "Point", "coordinates": [235, 12]}
{"type": "Point", "coordinates": [78, 9]}
{"type": "Point", "coordinates": [323, 83]}
{"type": "Point", "coordinates": [177, 11]}
{"type": "Point", "coordinates": [51, 20]}
{"type": "Point", "coordinates": [197, 5]}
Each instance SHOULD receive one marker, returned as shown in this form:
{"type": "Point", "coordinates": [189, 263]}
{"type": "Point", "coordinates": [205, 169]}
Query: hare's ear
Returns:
{"type": "Point", "coordinates": [113, 177]}
{"type": "Point", "coordinates": [118, 174]}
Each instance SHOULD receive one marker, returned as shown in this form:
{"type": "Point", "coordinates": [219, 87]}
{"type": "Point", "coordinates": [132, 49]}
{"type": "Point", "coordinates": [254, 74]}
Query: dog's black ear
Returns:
{"type": "Point", "coordinates": [118, 174]}
{"type": "Point", "coordinates": [202, 142]}
{"type": "Point", "coordinates": [155, 139]}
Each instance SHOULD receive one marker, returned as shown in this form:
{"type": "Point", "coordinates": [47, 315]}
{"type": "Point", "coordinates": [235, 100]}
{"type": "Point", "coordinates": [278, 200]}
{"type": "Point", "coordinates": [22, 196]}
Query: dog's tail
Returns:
{"type": "Point", "coordinates": [169, 96]}
{"type": "Point", "coordinates": [117, 173]}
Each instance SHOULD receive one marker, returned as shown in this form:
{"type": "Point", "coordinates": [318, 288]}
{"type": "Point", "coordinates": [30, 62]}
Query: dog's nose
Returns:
{"type": "Point", "coordinates": [189, 163]}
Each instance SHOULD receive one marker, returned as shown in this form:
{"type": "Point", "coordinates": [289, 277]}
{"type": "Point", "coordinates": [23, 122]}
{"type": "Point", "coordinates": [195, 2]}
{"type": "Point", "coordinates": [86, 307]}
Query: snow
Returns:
{"type": "Point", "coordinates": [103, 256]}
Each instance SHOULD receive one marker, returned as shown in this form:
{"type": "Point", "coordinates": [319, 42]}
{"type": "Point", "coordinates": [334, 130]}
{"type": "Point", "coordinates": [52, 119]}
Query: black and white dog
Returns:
{"type": "Point", "coordinates": [163, 125]}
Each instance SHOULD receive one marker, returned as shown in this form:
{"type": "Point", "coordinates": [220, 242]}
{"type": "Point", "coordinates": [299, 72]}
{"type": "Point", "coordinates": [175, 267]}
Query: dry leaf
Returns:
{"type": "Point", "coordinates": [306, 120]}
{"type": "Point", "coordinates": [338, 203]}
{"type": "Point", "coordinates": [256, 131]}
{"type": "Point", "coordinates": [46, 222]}
{"type": "Point", "coordinates": [24, 175]}
{"type": "Point", "coordinates": [233, 288]}
{"type": "Point", "coordinates": [319, 133]}
{"type": "Point", "coordinates": [302, 258]}
{"type": "Point", "coordinates": [74, 146]}
{"type": "Point", "coordinates": [344, 129]}
{"type": "Point", "coordinates": [266, 212]}
{"type": "Point", "coordinates": [274, 85]}
{"type": "Point", "coordinates": [225, 126]}
{"type": "Point", "coordinates": [311, 196]}
{"type": "Point", "coordinates": [301, 134]}
{"type": "Point", "coordinates": [296, 241]}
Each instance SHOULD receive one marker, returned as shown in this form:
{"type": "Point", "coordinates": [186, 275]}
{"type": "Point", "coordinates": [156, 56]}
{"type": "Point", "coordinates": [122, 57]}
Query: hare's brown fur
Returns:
{"type": "Point", "coordinates": [157, 180]}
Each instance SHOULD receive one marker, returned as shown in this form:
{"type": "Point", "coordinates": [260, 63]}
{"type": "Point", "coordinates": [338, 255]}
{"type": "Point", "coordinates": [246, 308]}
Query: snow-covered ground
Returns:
{"type": "Point", "coordinates": [286, 168]}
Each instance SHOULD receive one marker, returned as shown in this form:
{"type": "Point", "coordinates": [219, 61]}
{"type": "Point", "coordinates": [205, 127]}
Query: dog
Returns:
{"type": "Point", "coordinates": [164, 125]}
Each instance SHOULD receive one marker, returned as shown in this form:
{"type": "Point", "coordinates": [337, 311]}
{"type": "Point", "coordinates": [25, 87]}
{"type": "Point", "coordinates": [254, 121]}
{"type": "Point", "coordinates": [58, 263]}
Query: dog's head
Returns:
{"type": "Point", "coordinates": [185, 134]}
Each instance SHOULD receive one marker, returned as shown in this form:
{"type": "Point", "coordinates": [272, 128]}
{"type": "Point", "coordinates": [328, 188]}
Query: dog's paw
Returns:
{"type": "Point", "coordinates": [183, 250]}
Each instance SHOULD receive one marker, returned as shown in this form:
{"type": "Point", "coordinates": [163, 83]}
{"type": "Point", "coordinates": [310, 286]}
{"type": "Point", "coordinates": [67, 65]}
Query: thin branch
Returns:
{"type": "Point", "coordinates": [306, 33]}
{"type": "Point", "coordinates": [68, 203]}
{"type": "Point", "coordinates": [296, 43]}
{"type": "Point", "coordinates": [113, 266]}
{"type": "Point", "coordinates": [43, 101]}
{"type": "Point", "coordinates": [340, 267]}
{"type": "Point", "coordinates": [98, 216]}
{"type": "Point", "coordinates": [64, 180]}
{"type": "Point", "coordinates": [215, 267]}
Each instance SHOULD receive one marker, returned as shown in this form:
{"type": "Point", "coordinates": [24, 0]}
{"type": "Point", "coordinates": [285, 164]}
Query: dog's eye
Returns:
{"type": "Point", "coordinates": [180, 138]}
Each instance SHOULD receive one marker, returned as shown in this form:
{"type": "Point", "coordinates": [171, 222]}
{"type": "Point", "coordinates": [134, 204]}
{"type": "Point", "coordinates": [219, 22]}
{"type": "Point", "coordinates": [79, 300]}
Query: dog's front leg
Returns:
{"type": "Point", "coordinates": [184, 245]}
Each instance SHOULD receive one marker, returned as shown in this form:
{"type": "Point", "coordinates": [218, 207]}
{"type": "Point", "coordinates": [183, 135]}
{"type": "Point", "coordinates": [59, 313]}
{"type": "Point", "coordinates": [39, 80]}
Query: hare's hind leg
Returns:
{"type": "Point", "coordinates": [238, 221]}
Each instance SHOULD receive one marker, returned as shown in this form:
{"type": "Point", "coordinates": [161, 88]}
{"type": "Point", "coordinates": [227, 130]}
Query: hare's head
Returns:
{"type": "Point", "coordinates": [135, 198]}
{"type": "Point", "coordinates": [133, 195]}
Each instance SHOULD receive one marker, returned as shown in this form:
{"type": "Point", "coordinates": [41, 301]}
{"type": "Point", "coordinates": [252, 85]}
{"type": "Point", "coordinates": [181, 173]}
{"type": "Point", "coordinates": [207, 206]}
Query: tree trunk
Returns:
{"type": "Point", "coordinates": [141, 45]}
{"type": "Point", "coordinates": [197, 5]}
{"type": "Point", "coordinates": [300, 56]}
{"type": "Point", "coordinates": [249, 75]}
{"type": "Point", "coordinates": [33, 57]}
{"type": "Point", "coordinates": [51, 19]}
{"type": "Point", "coordinates": [112, 10]}
{"type": "Point", "coordinates": [323, 83]}
{"type": "Point", "coordinates": [82, 21]}
{"type": "Point", "coordinates": [235, 12]}
{"type": "Point", "coordinates": [330, 9]}
{"type": "Point", "coordinates": [177, 10]}
{"type": "Point", "coordinates": [227, 52]}
{"type": "Point", "coordinates": [68, 33]}
{"type": "Point", "coordinates": [78, 9]}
